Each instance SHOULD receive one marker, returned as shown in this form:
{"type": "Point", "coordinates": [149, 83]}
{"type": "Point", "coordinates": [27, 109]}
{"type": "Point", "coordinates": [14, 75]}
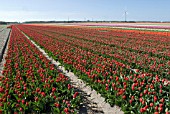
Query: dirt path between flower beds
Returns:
{"type": "Point", "coordinates": [4, 41]}
{"type": "Point", "coordinates": [93, 103]}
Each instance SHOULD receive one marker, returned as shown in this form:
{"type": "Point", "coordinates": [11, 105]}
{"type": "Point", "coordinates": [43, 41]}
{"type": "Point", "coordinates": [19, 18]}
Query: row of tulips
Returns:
{"type": "Point", "coordinates": [133, 91]}
{"type": "Point", "coordinates": [143, 61]}
{"type": "Point", "coordinates": [127, 26]}
{"type": "Point", "coordinates": [31, 83]}
{"type": "Point", "coordinates": [156, 44]}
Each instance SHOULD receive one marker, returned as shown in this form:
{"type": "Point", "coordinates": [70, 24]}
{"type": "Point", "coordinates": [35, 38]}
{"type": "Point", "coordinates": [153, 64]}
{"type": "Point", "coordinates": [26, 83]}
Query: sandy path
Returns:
{"type": "Point", "coordinates": [4, 35]}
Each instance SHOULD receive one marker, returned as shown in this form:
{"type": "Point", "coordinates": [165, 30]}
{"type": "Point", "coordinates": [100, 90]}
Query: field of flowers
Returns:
{"type": "Point", "coordinates": [31, 84]}
{"type": "Point", "coordinates": [128, 68]}
{"type": "Point", "coordinates": [151, 26]}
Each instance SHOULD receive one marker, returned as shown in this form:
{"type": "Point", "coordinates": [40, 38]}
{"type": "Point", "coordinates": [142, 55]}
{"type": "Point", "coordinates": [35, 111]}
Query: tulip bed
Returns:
{"type": "Point", "coordinates": [31, 83]}
{"type": "Point", "coordinates": [135, 58]}
{"type": "Point", "coordinates": [131, 70]}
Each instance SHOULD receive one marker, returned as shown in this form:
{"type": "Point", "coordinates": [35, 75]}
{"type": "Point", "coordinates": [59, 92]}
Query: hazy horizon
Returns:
{"type": "Point", "coordinates": [78, 10]}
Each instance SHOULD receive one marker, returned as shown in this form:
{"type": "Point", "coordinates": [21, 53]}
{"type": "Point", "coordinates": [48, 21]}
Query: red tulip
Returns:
{"type": "Point", "coordinates": [160, 91]}
{"type": "Point", "coordinates": [151, 104]}
{"type": "Point", "coordinates": [142, 110]}
{"type": "Point", "coordinates": [36, 98]}
{"type": "Point", "coordinates": [1, 89]}
{"type": "Point", "coordinates": [53, 89]}
{"type": "Point", "coordinates": [140, 99]}
{"type": "Point", "coordinates": [66, 110]}
{"type": "Point", "coordinates": [156, 108]}
{"type": "Point", "coordinates": [23, 101]}
{"type": "Point", "coordinates": [162, 100]}
{"type": "Point", "coordinates": [27, 103]}
{"type": "Point", "coordinates": [124, 96]}
{"type": "Point", "coordinates": [75, 94]}
{"type": "Point", "coordinates": [130, 101]}
{"type": "Point", "coordinates": [57, 105]}
{"type": "Point", "coordinates": [21, 109]}
{"type": "Point", "coordinates": [155, 98]}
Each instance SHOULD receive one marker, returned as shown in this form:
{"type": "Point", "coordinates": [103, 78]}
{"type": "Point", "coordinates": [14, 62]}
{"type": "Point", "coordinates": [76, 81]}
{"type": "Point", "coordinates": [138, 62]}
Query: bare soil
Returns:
{"type": "Point", "coordinates": [3, 38]}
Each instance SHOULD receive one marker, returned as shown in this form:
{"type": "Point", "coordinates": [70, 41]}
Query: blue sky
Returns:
{"type": "Point", "coordinates": [44, 10]}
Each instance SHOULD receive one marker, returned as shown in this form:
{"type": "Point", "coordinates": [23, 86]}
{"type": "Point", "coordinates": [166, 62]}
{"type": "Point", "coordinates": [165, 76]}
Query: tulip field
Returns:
{"type": "Point", "coordinates": [129, 68]}
{"type": "Point", "coordinates": [31, 84]}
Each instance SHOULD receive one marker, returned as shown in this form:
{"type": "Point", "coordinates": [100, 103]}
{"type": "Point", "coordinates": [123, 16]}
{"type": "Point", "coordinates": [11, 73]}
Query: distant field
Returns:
{"type": "Point", "coordinates": [114, 24]}
{"type": "Point", "coordinates": [165, 27]}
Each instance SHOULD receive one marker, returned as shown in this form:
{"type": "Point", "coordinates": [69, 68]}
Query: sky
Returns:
{"type": "Point", "coordinates": [96, 10]}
